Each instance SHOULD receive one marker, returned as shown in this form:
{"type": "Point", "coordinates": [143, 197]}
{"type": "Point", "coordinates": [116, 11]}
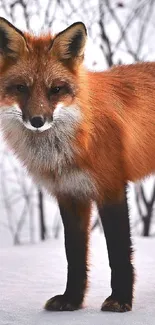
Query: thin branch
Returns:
{"type": "Point", "coordinates": [144, 26]}
{"type": "Point", "coordinates": [106, 41]}
{"type": "Point", "coordinates": [137, 197]}
{"type": "Point", "coordinates": [123, 30]}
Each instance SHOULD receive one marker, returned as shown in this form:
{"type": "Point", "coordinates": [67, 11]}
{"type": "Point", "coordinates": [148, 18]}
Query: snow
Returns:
{"type": "Point", "coordinates": [32, 274]}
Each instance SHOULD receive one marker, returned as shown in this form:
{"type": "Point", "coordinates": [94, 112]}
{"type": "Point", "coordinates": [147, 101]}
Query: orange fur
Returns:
{"type": "Point", "coordinates": [121, 128]}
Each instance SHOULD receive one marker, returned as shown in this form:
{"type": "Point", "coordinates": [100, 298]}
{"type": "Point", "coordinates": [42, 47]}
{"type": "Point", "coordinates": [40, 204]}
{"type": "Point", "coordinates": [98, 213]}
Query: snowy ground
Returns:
{"type": "Point", "coordinates": [29, 275]}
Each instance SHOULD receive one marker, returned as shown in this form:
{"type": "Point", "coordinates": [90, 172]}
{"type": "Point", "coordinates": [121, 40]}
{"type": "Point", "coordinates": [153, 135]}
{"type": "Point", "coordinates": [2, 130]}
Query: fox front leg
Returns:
{"type": "Point", "coordinates": [75, 216]}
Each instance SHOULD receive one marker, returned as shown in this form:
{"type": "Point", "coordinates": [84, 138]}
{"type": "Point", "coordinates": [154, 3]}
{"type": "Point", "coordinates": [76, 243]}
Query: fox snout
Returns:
{"type": "Point", "coordinates": [37, 121]}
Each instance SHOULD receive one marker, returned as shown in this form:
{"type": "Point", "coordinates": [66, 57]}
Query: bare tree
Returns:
{"type": "Point", "coordinates": [146, 214]}
{"type": "Point", "coordinates": [14, 190]}
{"type": "Point", "coordinates": [42, 215]}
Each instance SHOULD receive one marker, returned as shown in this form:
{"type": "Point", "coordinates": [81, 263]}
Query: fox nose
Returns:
{"type": "Point", "coordinates": [37, 121]}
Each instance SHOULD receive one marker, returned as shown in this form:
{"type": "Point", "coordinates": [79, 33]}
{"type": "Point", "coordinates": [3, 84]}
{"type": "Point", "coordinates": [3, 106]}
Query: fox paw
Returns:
{"type": "Point", "coordinates": [111, 304]}
{"type": "Point", "coordinates": [60, 303]}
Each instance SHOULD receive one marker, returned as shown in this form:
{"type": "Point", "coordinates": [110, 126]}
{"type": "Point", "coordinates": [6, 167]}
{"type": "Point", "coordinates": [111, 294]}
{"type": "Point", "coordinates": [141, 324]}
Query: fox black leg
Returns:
{"type": "Point", "coordinates": [115, 221]}
{"type": "Point", "coordinates": [75, 216]}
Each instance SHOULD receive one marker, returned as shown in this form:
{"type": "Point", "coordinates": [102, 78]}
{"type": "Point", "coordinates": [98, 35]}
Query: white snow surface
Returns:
{"type": "Point", "coordinates": [29, 275]}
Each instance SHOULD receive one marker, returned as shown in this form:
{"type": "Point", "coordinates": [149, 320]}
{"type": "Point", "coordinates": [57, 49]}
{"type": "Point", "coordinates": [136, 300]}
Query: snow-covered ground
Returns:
{"type": "Point", "coordinates": [29, 275]}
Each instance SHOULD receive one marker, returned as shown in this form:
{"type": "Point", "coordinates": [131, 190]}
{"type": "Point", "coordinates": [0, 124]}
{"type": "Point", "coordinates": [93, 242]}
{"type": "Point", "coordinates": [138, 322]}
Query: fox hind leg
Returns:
{"type": "Point", "coordinates": [115, 221]}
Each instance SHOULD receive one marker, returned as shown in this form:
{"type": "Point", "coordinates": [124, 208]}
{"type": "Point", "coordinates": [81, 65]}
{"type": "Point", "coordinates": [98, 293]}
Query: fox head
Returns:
{"type": "Point", "coordinates": [38, 75]}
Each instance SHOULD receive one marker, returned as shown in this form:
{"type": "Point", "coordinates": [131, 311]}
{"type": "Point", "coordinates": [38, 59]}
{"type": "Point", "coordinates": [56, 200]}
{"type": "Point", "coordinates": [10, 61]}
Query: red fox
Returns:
{"type": "Point", "coordinates": [82, 135]}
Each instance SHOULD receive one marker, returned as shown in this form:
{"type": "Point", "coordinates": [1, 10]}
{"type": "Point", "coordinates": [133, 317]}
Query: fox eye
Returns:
{"type": "Point", "coordinates": [55, 90]}
{"type": "Point", "coordinates": [21, 88]}
{"type": "Point", "coordinates": [62, 89]}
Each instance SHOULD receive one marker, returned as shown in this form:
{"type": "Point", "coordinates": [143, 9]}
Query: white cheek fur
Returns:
{"type": "Point", "coordinates": [11, 112]}
{"type": "Point", "coordinates": [62, 112]}
{"type": "Point", "coordinates": [57, 111]}
{"type": "Point", "coordinates": [17, 108]}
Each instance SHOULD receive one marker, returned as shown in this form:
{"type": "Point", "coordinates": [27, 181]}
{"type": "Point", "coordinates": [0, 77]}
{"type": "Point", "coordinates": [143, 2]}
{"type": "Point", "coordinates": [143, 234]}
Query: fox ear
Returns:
{"type": "Point", "coordinates": [70, 43]}
{"type": "Point", "coordinates": [12, 40]}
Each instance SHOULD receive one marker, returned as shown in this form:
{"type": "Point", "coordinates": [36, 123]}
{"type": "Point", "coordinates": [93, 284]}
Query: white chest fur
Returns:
{"type": "Point", "coordinates": [75, 182]}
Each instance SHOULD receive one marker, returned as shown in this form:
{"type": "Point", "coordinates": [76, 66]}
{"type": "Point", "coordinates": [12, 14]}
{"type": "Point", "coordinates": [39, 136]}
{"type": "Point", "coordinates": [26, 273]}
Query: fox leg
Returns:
{"type": "Point", "coordinates": [115, 221]}
{"type": "Point", "coordinates": [75, 216]}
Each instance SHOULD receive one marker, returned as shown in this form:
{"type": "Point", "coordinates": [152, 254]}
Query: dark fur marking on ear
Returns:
{"type": "Point", "coordinates": [12, 26]}
{"type": "Point", "coordinates": [4, 41]}
{"type": "Point", "coordinates": [4, 35]}
{"type": "Point", "coordinates": [70, 27]}
{"type": "Point", "coordinates": [75, 44]}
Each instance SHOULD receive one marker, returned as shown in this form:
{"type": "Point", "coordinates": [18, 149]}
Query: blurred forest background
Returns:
{"type": "Point", "coordinates": [120, 32]}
